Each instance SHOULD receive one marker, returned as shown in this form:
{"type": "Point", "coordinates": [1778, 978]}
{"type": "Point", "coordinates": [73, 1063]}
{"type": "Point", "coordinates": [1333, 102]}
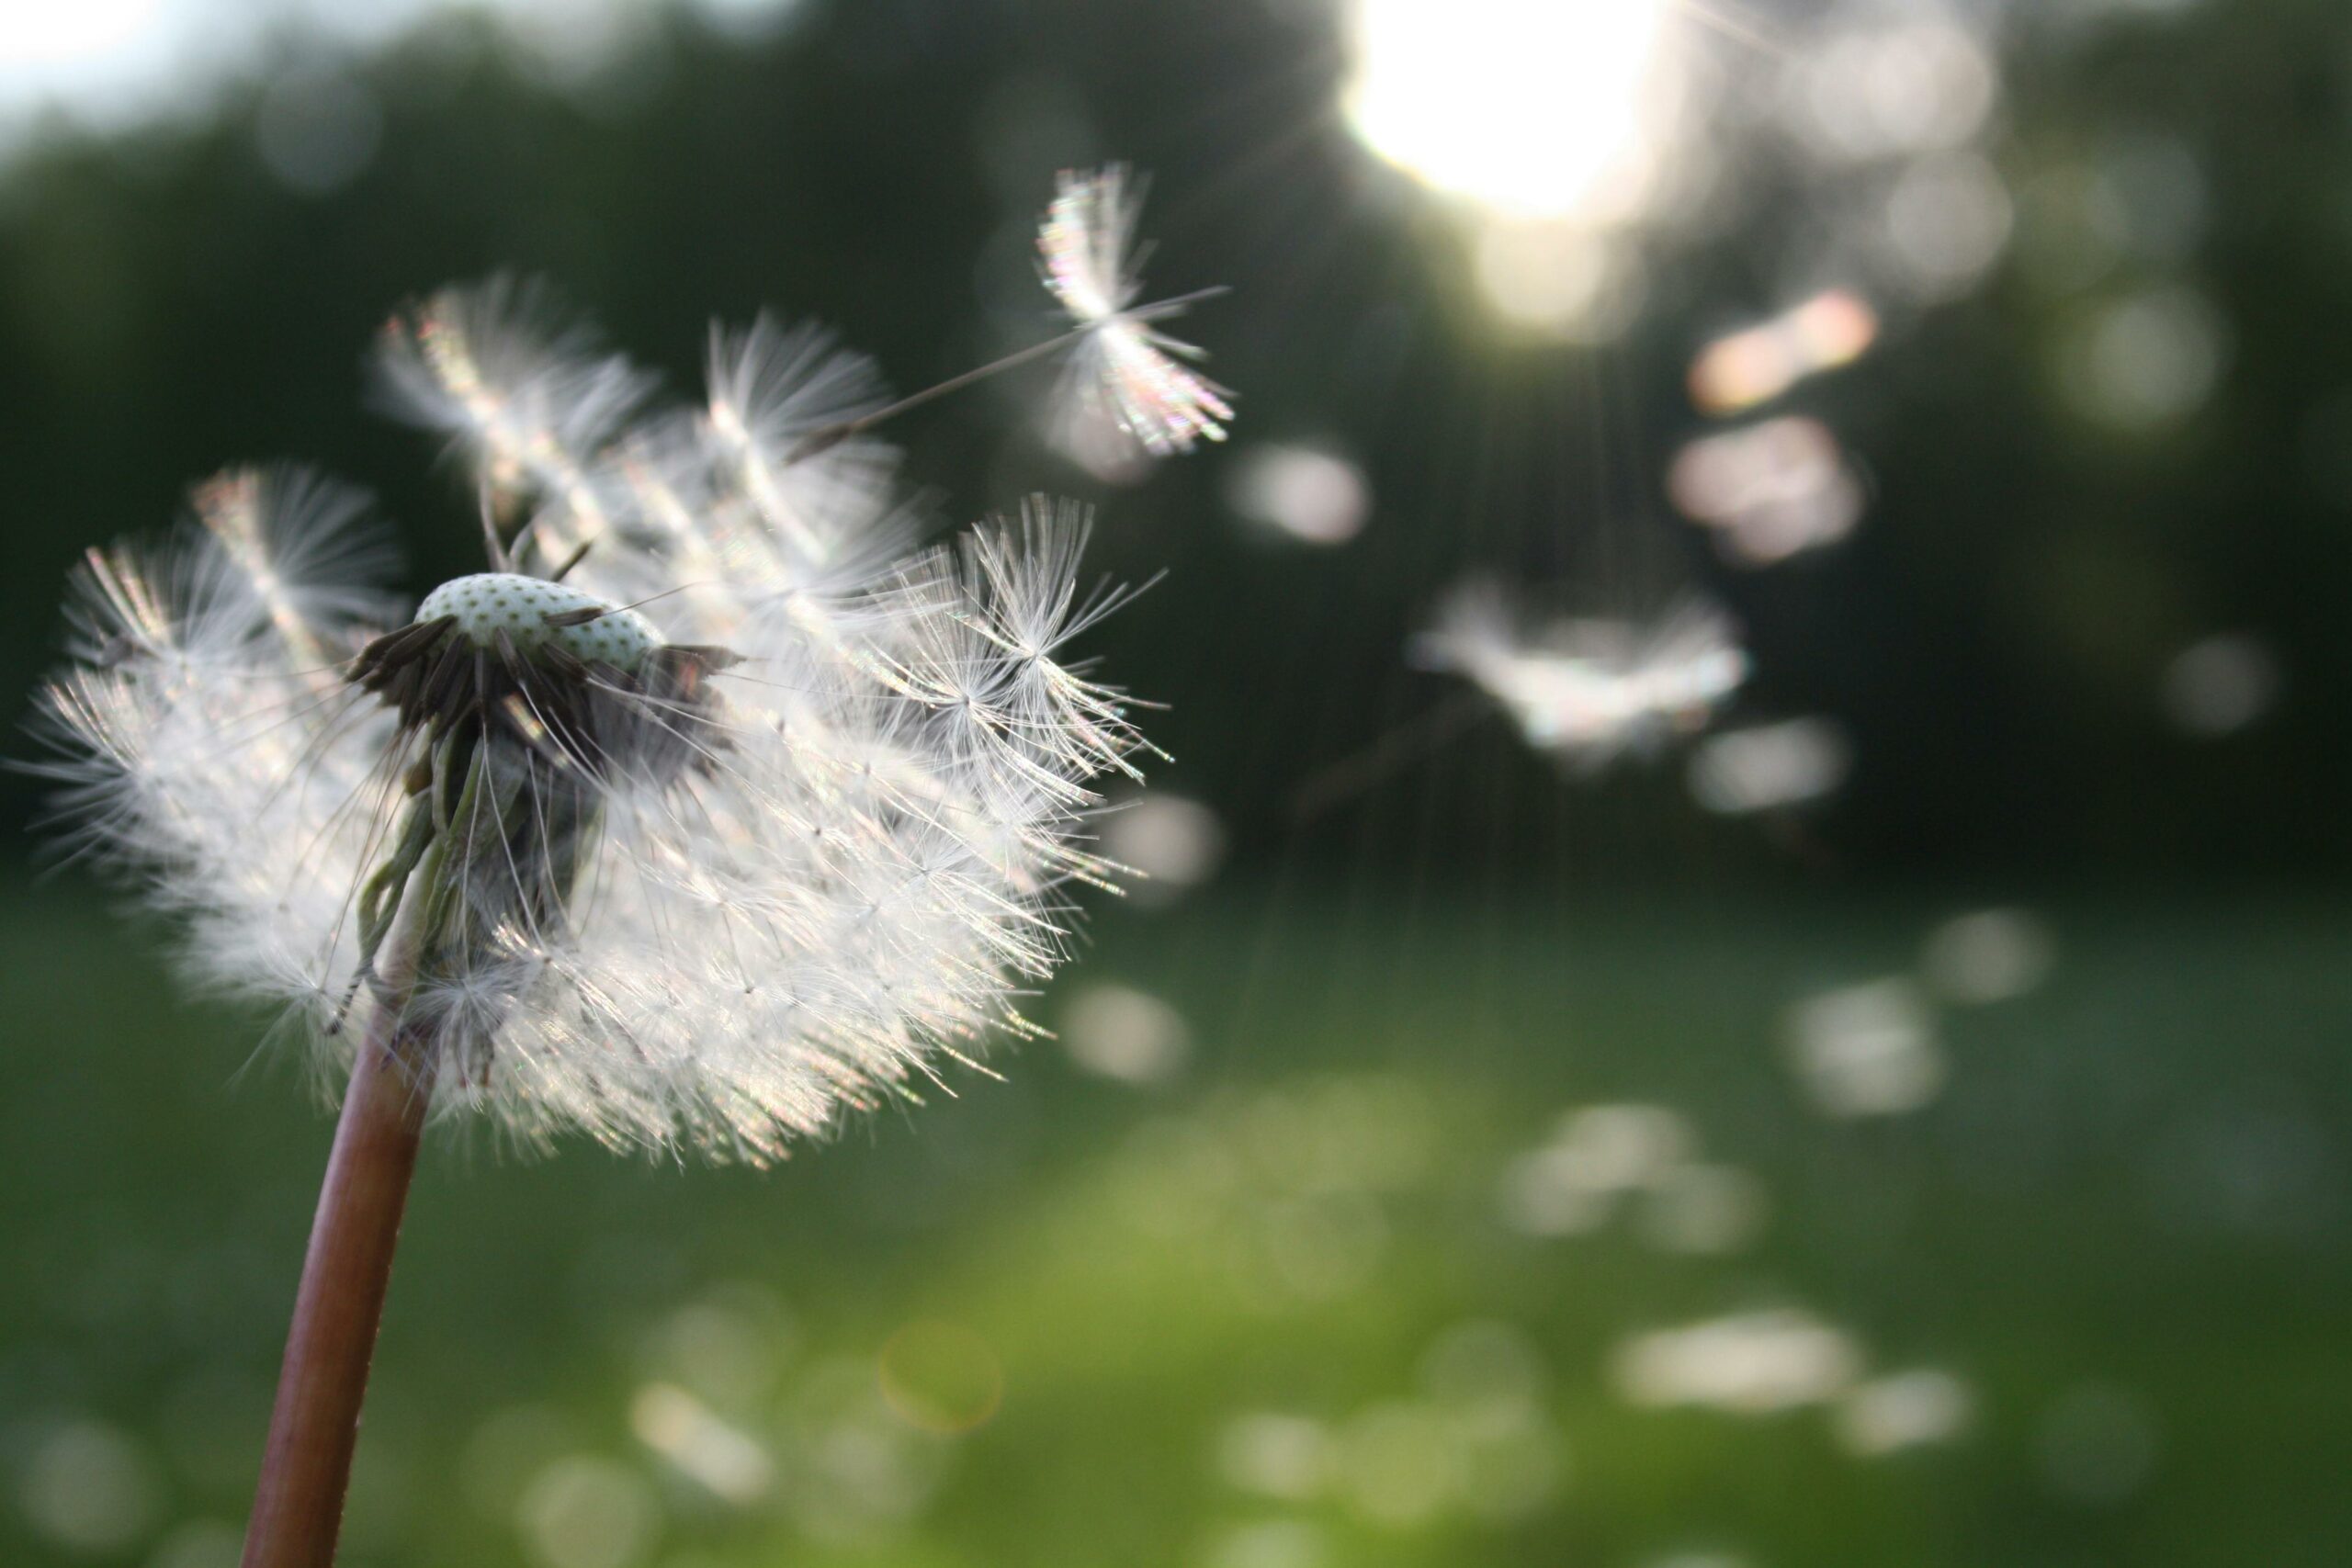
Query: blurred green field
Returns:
{"type": "Point", "coordinates": [1269, 1313]}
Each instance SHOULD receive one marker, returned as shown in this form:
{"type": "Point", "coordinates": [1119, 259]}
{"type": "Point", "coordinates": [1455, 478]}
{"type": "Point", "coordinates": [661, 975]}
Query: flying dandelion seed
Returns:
{"type": "Point", "coordinates": [1589, 690]}
{"type": "Point", "coordinates": [711, 811]}
{"type": "Point", "coordinates": [1128, 372]}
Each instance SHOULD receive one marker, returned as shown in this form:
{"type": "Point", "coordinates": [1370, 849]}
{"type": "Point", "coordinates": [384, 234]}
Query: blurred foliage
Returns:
{"type": "Point", "coordinates": [1993, 636]}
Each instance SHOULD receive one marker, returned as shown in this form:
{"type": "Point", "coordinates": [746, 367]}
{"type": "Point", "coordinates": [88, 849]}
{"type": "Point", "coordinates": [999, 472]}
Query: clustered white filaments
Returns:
{"type": "Point", "coordinates": [1588, 691]}
{"type": "Point", "coordinates": [751, 818]}
{"type": "Point", "coordinates": [1127, 369]}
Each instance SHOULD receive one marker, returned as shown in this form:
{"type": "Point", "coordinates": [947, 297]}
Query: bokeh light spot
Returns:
{"type": "Point", "coordinates": [940, 1376]}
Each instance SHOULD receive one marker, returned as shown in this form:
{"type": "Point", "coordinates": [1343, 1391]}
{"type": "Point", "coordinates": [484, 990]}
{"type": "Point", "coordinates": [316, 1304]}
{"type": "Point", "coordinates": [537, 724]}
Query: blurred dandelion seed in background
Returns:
{"type": "Point", "coordinates": [1703, 1210]}
{"type": "Point", "coordinates": [1117, 1032]}
{"type": "Point", "coordinates": [1945, 223]}
{"type": "Point", "coordinates": [1624, 1146]}
{"type": "Point", "coordinates": [317, 129]}
{"type": "Point", "coordinates": [91, 1488]}
{"type": "Point", "coordinates": [1884, 85]}
{"type": "Point", "coordinates": [1588, 691]}
{"type": "Point", "coordinates": [588, 1512]}
{"type": "Point", "coordinates": [715, 1454]}
{"type": "Point", "coordinates": [726, 1346]}
{"type": "Point", "coordinates": [1601, 1156]}
{"type": "Point", "coordinates": [1305, 493]}
{"type": "Point", "coordinates": [1768, 491]}
{"type": "Point", "coordinates": [2220, 685]}
{"type": "Point", "coordinates": [1748, 1364]}
{"type": "Point", "coordinates": [852, 1467]}
{"type": "Point", "coordinates": [1573, 1183]}
{"type": "Point", "coordinates": [2146, 360]}
{"type": "Point", "coordinates": [1866, 1050]}
{"type": "Point", "coordinates": [1902, 1410]}
{"type": "Point", "coordinates": [1172, 842]}
{"type": "Point", "coordinates": [1274, 1455]}
{"type": "Point", "coordinates": [1990, 955]}
{"type": "Point", "coordinates": [1771, 767]}
{"type": "Point", "coordinates": [1400, 1465]}
{"type": "Point", "coordinates": [1273, 1543]}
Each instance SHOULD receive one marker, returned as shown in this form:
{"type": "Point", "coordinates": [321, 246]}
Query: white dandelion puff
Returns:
{"type": "Point", "coordinates": [1128, 372]}
{"type": "Point", "coordinates": [1588, 691]}
{"type": "Point", "coordinates": [772, 389]}
{"type": "Point", "coordinates": [714, 809]}
{"type": "Point", "coordinates": [753, 818]}
{"type": "Point", "coordinates": [526, 397]}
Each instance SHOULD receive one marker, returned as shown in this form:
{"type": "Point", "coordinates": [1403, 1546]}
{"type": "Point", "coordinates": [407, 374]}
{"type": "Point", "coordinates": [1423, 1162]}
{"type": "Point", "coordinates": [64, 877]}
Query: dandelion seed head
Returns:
{"type": "Point", "coordinates": [534, 613]}
{"type": "Point", "coordinates": [718, 810]}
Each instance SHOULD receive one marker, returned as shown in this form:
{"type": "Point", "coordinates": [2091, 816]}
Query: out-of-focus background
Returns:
{"type": "Point", "coordinates": [1896, 1114]}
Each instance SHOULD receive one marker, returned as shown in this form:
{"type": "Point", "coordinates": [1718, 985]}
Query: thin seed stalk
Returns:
{"type": "Point", "coordinates": [314, 1428]}
{"type": "Point", "coordinates": [306, 1468]}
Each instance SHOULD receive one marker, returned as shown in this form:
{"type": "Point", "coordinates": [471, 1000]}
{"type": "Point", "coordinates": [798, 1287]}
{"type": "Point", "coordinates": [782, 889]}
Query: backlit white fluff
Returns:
{"type": "Point", "coordinates": [788, 899]}
{"type": "Point", "coordinates": [1584, 690]}
{"type": "Point", "coordinates": [1128, 372]}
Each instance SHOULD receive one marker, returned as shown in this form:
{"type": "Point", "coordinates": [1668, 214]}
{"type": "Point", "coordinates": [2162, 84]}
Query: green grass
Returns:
{"type": "Point", "coordinates": [2131, 1204]}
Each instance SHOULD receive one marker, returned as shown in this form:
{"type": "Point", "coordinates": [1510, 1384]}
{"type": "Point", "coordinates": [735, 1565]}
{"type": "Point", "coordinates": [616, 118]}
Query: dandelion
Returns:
{"type": "Point", "coordinates": [711, 811]}
{"type": "Point", "coordinates": [1588, 691]}
{"type": "Point", "coordinates": [1126, 371]}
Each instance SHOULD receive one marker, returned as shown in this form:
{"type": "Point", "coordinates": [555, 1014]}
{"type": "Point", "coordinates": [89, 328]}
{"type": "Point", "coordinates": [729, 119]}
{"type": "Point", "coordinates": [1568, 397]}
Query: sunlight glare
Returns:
{"type": "Point", "coordinates": [57, 39]}
{"type": "Point", "coordinates": [1531, 108]}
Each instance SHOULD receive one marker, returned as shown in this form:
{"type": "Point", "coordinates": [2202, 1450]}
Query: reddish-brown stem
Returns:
{"type": "Point", "coordinates": [307, 1465]}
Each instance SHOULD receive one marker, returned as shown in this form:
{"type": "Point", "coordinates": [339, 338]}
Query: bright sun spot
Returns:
{"type": "Point", "coordinates": [1532, 108]}
{"type": "Point", "coordinates": [58, 38]}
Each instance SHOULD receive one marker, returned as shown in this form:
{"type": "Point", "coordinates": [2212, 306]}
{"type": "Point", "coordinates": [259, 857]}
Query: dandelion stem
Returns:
{"type": "Point", "coordinates": [833, 435]}
{"type": "Point", "coordinates": [826, 437]}
{"type": "Point", "coordinates": [297, 1511]}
